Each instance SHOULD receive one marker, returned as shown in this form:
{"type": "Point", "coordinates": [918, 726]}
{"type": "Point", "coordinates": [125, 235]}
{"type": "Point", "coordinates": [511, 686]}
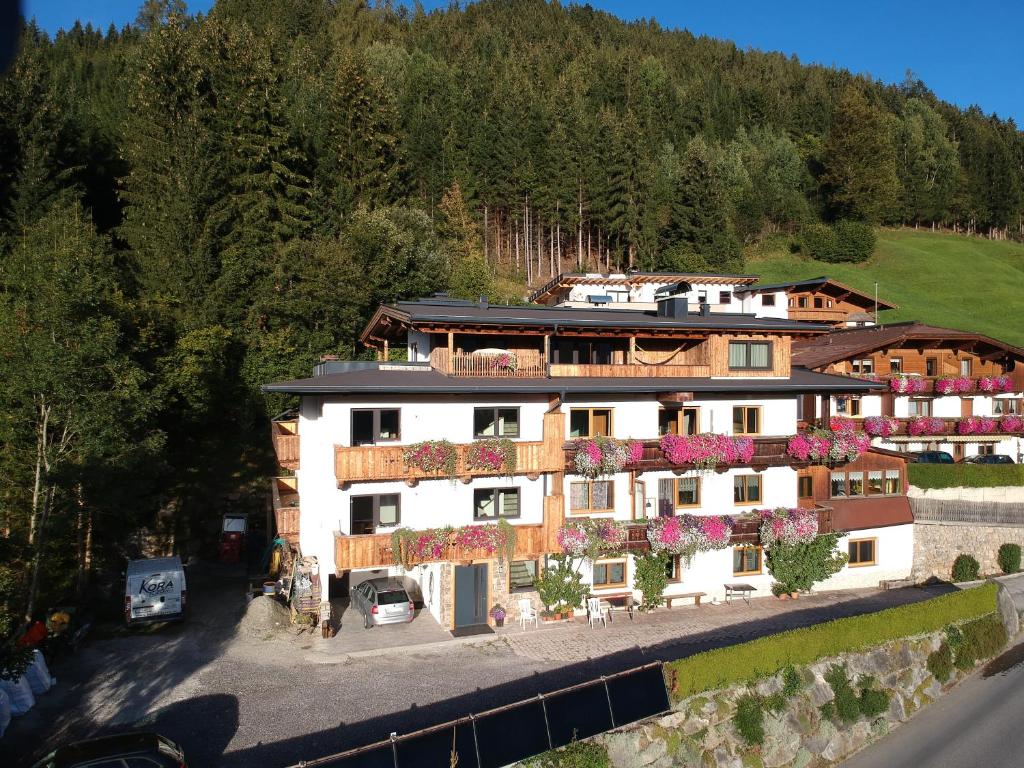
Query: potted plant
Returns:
{"type": "Point", "coordinates": [780, 591]}
{"type": "Point", "coordinates": [498, 612]}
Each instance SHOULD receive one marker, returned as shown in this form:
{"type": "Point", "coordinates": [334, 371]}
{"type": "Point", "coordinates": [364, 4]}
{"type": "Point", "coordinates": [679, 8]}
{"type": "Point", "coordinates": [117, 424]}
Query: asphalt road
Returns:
{"type": "Point", "coordinates": [979, 723]}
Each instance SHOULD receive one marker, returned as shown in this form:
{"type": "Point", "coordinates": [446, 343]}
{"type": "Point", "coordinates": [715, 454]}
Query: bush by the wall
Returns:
{"type": "Point", "coordinates": [854, 241]}
{"type": "Point", "coordinates": [965, 568]}
{"type": "Point", "coordinates": [767, 655]}
{"type": "Point", "coordinates": [982, 638]}
{"type": "Point", "coordinates": [940, 663]}
{"type": "Point", "coordinates": [965, 475]}
{"type": "Point", "coordinates": [791, 682]}
{"type": "Point", "coordinates": [801, 566]}
{"type": "Point", "coordinates": [1009, 558]}
{"type": "Point", "coordinates": [578, 754]}
{"type": "Point", "coordinates": [845, 707]}
{"type": "Point", "coordinates": [650, 578]}
{"type": "Point", "coordinates": [749, 719]}
{"type": "Point", "coordinates": [872, 701]}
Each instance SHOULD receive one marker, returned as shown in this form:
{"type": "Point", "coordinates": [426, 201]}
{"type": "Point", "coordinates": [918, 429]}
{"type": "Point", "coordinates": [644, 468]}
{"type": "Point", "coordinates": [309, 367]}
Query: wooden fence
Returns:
{"type": "Point", "coordinates": [958, 512]}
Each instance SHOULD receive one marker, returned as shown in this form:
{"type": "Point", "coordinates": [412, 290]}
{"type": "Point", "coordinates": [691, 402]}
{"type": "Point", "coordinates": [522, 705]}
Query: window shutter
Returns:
{"type": "Point", "coordinates": [510, 503]}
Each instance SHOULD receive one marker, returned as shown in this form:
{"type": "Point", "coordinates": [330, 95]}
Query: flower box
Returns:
{"type": "Point", "coordinates": [926, 425]}
{"type": "Point", "coordinates": [787, 526]}
{"type": "Point", "coordinates": [907, 385]}
{"type": "Point", "coordinates": [819, 445]}
{"type": "Point", "coordinates": [591, 538]}
{"type": "Point", "coordinates": [881, 426]}
{"type": "Point", "coordinates": [687, 535]}
{"type": "Point", "coordinates": [598, 456]}
{"type": "Point", "coordinates": [954, 385]}
{"type": "Point", "coordinates": [995, 384]}
{"type": "Point", "coordinates": [432, 456]}
{"type": "Point", "coordinates": [1012, 424]}
{"type": "Point", "coordinates": [707, 451]}
{"type": "Point", "coordinates": [976, 425]}
{"type": "Point", "coordinates": [492, 455]}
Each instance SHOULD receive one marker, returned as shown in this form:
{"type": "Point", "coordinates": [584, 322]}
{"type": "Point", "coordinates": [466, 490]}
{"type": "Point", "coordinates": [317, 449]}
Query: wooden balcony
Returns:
{"type": "Point", "coordinates": [818, 315]}
{"type": "Point", "coordinates": [374, 550]}
{"type": "Point", "coordinates": [285, 436]}
{"type": "Point", "coordinates": [949, 428]}
{"type": "Point", "coordinates": [384, 462]}
{"type": "Point", "coordinates": [529, 364]}
{"type": "Point", "coordinates": [635, 370]}
{"type": "Point", "coordinates": [745, 531]}
{"type": "Point", "coordinates": [768, 452]}
{"type": "Point", "coordinates": [285, 500]}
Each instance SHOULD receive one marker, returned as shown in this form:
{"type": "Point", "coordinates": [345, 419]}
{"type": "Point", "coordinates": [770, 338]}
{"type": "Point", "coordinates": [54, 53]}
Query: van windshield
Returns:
{"type": "Point", "coordinates": [391, 597]}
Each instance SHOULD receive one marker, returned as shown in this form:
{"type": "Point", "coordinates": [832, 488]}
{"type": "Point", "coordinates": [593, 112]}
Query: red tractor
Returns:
{"type": "Point", "coordinates": [232, 538]}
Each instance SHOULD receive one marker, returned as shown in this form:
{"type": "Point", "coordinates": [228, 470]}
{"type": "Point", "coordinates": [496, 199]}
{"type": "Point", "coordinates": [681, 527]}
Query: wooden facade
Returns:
{"type": "Point", "coordinates": [285, 501]}
{"type": "Point", "coordinates": [385, 462]}
{"type": "Point", "coordinates": [284, 434]}
{"type": "Point", "coordinates": [928, 360]}
{"type": "Point", "coordinates": [872, 461]}
{"type": "Point", "coordinates": [718, 355]}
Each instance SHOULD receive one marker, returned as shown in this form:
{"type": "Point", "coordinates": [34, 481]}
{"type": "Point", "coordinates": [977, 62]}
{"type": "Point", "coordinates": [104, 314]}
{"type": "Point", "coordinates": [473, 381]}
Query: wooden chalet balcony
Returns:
{"type": "Point", "coordinates": [745, 531]}
{"type": "Point", "coordinates": [285, 499]}
{"type": "Point", "coordinates": [929, 384]}
{"type": "Point", "coordinates": [768, 452]}
{"type": "Point", "coordinates": [529, 364]}
{"type": "Point", "coordinates": [384, 462]}
{"type": "Point", "coordinates": [285, 436]}
{"type": "Point", "coordinates": [633, 370]}
{"type": "Point", "coordinates": [374, 550]}
{"type": "Point", "coordinates": [949, 428]}
{"type": "Point", "coordinates": [820, 315]}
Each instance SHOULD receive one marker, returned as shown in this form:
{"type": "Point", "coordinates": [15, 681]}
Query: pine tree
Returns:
{"type": "Point", "coordinates": [470, 276]}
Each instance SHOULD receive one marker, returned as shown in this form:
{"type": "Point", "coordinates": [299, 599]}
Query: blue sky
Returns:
{"type": "Point", "coordinates": [967, 53]}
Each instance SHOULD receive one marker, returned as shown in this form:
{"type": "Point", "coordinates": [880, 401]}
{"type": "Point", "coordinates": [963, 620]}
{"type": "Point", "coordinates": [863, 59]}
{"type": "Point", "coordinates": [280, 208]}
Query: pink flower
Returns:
{"type": "Point", "coordinates": [880, 426]}
{"type": "Point", "coordinates": [841, 424]}
{"type": "Point", "coordinates": [976, 425]}
{"type": "Point", "coordinates": [634, 452]}
{"type": "Point", "coordinates": [1012, 423]}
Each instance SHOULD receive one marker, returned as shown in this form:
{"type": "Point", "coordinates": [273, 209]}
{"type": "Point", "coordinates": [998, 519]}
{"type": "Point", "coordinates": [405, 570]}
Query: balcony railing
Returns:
{"type": "Point", "coordinates": [745, 531]}
{"type": "Point", "coordinates": [950, 426]}
{"type": "Point", "coordinates": [818, 314]}
{"type": "Point", "coordinates": [929, 383]}
{"type": "Point", "coordinates": [374, 550]}
{"type": "Point", "coordinates": [377, 462]}
{"type": "Point", "coordinates": [768, 452]}
{"type": "Point", "coordinates": [634, 370]}
{"type": "Point", "coordinates": [529, 363]}
{"type": "Point", "coordinates": [285, 436]}
{"type": "Point", "coordinates": [285, 500]}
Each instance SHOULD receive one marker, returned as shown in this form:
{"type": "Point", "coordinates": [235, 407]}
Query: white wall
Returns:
{"type": "Point", "coordinates": [894, 557]}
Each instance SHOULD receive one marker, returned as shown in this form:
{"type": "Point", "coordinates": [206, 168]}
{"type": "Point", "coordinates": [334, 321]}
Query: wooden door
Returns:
{"type": "Point", "coordinates": [470, 594]}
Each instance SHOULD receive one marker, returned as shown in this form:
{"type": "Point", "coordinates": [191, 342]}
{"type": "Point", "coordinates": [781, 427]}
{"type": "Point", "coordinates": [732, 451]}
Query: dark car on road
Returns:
{"type": "Point", "coordinates": [989, 458]}
{"type": "Point", "coordinates": [383, 601]}
{"type": "Point", "coordinates": [933, 457]}
{"type": "Point", "coordinates": [127, 750]}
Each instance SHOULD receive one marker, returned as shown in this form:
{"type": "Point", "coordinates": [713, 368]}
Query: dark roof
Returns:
{"type": "Point", "coordinates": [817, 282]}
{"type": "Point", "coordinates": [452, 311]}
{"type": "Point", "coordinates": [412, 378]}
{"type": "Point", "coordinates": [845, 344]}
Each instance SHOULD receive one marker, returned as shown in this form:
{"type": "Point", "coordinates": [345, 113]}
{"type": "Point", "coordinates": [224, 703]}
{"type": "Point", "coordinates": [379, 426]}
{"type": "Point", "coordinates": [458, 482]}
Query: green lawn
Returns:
{"type": "Point", "coordinates": [945, 280]}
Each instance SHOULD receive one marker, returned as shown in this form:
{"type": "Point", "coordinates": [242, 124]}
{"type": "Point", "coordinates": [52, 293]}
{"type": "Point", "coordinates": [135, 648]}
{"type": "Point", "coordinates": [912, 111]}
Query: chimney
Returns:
{"type": "Point", "coordinates": [705, 309]}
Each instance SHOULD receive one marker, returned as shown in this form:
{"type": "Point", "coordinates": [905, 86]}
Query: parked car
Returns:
{"type": "Point", "coordinates": [933, 457]}
{"type": "Point", "coordinates": [154, 590]}
{"type": "Point", "coordinates": [134, 750]}
{"type": "Point", "coordinates": [990, 458]}
{"type": "Point", "coordinates": [383, 601]}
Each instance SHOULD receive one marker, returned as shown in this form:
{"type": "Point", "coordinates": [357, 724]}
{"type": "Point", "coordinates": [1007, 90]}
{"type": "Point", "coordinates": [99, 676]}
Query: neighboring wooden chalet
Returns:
{"type": "Point", "coordinates": [822, 300]}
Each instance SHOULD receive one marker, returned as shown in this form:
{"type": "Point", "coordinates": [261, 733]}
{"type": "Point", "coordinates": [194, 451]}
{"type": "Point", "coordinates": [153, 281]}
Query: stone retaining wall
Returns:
{"type": "Point", "coordinates": [936, 546]}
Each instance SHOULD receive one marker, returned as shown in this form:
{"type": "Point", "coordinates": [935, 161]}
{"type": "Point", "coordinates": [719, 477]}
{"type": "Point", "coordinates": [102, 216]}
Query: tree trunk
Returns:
{"type": "Point", "coordinates": [33, 587]}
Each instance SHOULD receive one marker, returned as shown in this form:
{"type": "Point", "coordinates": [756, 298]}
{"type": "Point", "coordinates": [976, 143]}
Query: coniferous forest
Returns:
{"type": "Point", "coordinates": [193, 206]}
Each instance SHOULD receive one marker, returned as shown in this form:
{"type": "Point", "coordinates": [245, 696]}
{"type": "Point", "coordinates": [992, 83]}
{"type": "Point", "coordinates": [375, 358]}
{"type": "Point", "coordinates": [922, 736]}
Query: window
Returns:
{"type": "Point", "coordinates": [673, 570]}
{"type": "Point", "coordinates": [895, 365]}
{"type": "Point", "coordinates": [678, 421]}
{"type": "Point", "coordinates": [746, 420]}
{"type": "Point", "coordinates": [609, 573]}
{"type": "Point", "coordinates": [893, 486]}
{"type": "Point", "coordinates": [688, 492]}
{"type": "Point", "coordinates": [369, 512]}
{"type": "Point", "coordinates": [746, 489]}
{"type": "Point", "coordinates": [595, 496]}
{"type": "Point", "coordinates": [725, 297]}
{"type": "Point", "coordinates": [986, 449]}
{"type": "Point", "coordinates": [866, 365]}
{"type": "Point", "coordinates": [589, 422]}
{"type": "Point", "coordinates": [802, 302]}
{"type": "Point", "coordinates": [862, 552]}
{"type": "Point", "coordinates": [931, 366]}
{"type": "Point", "coordinates": [495, 422]}
{"type": "Point", "coordinates": [848, 406]}
{"type": "Point", "coordinates": [837, 484]}
{"type": "Point", "coordinates": [489, 503]}
{"type": "Point", "coordinates": [855, 483]}
{"type": "Point", "coordinates": [521, 575]}
{"type": "Point", "coordinates": [1003, 407]}
{"type": "Point", "coordinates": [702, 297]}
{"type": "Point", "coordinates": [375, 426]}
{"type": "Point", "coordinates": [875, 482]}
{"type": "Point", "coordinates": [750, 355]}
{"type": "Point", "coordinates": [919, 407]}
{"type": "Point", "coordinates": [965, 367]}
{"type": "Point", "coordinates": [767, 299]}
{"type": "Point", "coordinates": [805, 487]}
{"type": "Point", "coordinates": [746, 561]}
{"type": "Point", "coordinates": [819, 303]}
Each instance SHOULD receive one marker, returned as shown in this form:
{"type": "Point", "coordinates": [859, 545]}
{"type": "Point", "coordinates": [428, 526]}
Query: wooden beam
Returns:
{"type": "Point", "coordinates": [451, 345]}
{"type": "Point", "coordinates": [632, 350]}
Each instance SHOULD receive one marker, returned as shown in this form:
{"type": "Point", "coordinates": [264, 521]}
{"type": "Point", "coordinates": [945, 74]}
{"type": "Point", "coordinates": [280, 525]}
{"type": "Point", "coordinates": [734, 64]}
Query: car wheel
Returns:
{"type": "Point", "coordinates": [366, 621]}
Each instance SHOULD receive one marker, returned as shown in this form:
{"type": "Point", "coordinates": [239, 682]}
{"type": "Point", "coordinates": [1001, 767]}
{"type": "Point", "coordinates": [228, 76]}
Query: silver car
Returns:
{"type": "Point", "coordinates": [383, 601]}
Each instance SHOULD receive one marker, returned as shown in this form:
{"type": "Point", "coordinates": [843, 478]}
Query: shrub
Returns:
{"type": "Point", "coordinates": [801, 566]}
{"type": "Point", "coordinates": [1009, 558]}
{"type": "Point", "coordinates": [872, 701]}
{"type": "Point", "coordinates": [965, 475]}
{"type": "Point", "coordinates": [775, 703]}
{"type": "Point", "coordinates": [650, 579]}
{"type": "Point", "coordinates": [854, 241]}
{"type": "Point", "coordinates": [577, 754]}
{"type": "Point", "coordinates": [560, 584]}
{"type": "Point", "coordinates": [845, 705]}
{"type": "Point", "coordinates": [982, 639]}
{"type": "Point", "coordinates": [791, 682]}
{"type": "Point", "coordinates": [818, 241]}
{"type": "Point", "coordinates": [940, 662]}
{"type": "Point", "coordinates": [767, 655]}
{"type": "Point", "coordinates": [965, 568]}
{"type": "Point", "coordinates": [749, 719]}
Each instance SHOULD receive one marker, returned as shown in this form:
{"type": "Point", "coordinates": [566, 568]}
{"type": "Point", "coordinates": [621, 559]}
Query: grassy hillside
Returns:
{"type": "Point", "coordinates": [945, 280]}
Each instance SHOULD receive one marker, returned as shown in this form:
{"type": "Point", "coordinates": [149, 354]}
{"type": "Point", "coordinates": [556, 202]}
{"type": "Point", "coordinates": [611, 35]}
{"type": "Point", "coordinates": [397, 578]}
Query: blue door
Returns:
{"type": "Point", "coordinates": [470, 595]}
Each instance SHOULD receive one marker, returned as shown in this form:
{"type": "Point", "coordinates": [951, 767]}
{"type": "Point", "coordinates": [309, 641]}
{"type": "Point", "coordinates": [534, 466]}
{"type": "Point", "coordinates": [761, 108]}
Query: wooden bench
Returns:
{"type": "Point", "coordinates": [742, 590]}
{"type": "Point", "coordinates": [695, 595]}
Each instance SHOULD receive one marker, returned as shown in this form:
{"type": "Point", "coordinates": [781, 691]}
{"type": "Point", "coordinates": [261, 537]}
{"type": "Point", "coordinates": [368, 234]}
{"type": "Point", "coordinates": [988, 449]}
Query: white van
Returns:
{"type": "Point", "coordinates": [154, 590]}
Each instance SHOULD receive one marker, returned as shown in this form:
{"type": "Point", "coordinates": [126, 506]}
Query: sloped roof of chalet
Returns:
{"type": "Point", "coordinates": [457, 312]}
{"type": "Point", "coordinates": [567, 279]}
{"type": "Point", "coordinates": [847, 344]}
{"type": "Point", "coordinates": [826, 285]}
{"type": "Point", "coordinates": [420, 378]}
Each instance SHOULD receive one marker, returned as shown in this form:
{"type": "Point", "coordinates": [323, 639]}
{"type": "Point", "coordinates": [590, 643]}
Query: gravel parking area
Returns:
{"type": "Point", "coordinates": [274, 698]}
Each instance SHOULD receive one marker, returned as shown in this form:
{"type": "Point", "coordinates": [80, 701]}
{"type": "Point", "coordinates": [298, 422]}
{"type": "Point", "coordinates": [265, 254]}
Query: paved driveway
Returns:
{"type": "Point", "coordinates": [233, 699]}
{"type": "Point", "coordinates": [352, 637]}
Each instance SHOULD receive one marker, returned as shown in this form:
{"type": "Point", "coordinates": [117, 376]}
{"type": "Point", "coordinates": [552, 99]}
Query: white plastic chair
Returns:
{"type": "Point", "coordinates": [527, 612]}
{"type": "Point", "coordinates": [594, 612]}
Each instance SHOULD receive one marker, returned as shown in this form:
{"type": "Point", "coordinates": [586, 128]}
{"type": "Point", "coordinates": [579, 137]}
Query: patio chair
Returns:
{"type": "Point", "coordinates": [527, 612]}
{"type": "Point", "coordinates": [595, 612]}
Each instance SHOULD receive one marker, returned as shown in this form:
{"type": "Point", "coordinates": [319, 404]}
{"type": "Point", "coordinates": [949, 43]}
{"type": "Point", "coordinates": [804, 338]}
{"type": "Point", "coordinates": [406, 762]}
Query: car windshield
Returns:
{"type": "Point", "coordinates": [392, 597]}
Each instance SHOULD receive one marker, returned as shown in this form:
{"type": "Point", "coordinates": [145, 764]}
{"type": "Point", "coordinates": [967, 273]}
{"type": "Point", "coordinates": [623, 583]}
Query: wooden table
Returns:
{"type": "Point", "coordinates": [741, 589]}
{"type": "Point", "coordinates": [608, 605]}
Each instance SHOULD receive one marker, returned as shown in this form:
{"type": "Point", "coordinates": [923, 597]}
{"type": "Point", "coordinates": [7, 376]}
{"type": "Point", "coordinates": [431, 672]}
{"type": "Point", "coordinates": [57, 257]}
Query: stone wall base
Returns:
{"type": "Point", "coordinates": [936, 546]}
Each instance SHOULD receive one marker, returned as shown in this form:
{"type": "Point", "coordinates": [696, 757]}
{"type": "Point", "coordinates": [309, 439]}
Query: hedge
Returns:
{"type": "Point", "coordinates": [965, 475]}
{"type": "Point", "coordinates": [767, 655]}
